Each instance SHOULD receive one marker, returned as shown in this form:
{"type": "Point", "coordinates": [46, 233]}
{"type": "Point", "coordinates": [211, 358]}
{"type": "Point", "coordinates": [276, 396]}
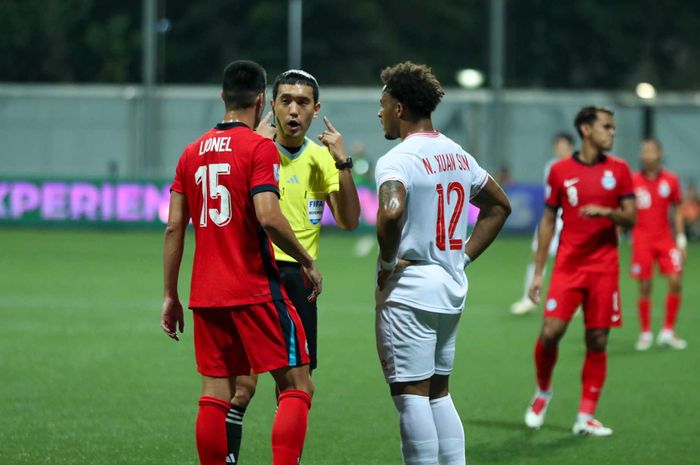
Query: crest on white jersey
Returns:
{"type": "Point", "coordinates": [664, 189]}
{"type": "Point", "coordinates": [609, 182]}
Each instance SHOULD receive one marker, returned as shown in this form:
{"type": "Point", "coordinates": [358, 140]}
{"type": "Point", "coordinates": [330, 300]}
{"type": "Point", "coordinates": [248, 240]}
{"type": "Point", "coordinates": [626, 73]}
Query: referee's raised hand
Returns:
{"type": "Point", "coordinates": [332, 139]}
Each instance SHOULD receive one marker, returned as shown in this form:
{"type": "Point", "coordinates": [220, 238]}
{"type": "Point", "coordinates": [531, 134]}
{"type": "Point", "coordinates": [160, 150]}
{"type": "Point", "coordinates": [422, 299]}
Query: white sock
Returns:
{"type": "Point", "coordinates": [583, 417]}
{"type": "Point", "coordinates": [449, 430]}
{"type": "Point", "coordinates": [419, 438]}
{"type": "Point", "coordinates": [529, 274]}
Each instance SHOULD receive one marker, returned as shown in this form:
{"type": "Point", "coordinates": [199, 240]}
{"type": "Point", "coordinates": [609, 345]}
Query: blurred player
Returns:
{"type": "Point", "coordinates": [424, 186]}
{"type": "Point", "coordinates": [226, 182]}
{"type": "Point", "coordinates": [310, 175]}
{"type": "Point", "coordinates": [563, 147]}
{"type": "Point", "coordinates": [657, 190]}
{"type": "Point", "coordinates": [595, 192]}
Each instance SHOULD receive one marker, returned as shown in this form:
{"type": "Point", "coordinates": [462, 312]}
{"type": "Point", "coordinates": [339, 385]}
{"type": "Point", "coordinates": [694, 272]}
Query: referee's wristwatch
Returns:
{"type": "Point", "coordinates": [346, 164]}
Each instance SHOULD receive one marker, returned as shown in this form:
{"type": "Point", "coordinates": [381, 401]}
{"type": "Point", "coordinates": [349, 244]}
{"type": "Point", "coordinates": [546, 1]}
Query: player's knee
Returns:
{"type": "Point", "coordinates": [244, 393]}
{"type": "Point", "coordinates": [596, 341]}
{"type": "Point", "coordinates": [674, 285]}
{"type": "Point", "coordinates": [551, 334]}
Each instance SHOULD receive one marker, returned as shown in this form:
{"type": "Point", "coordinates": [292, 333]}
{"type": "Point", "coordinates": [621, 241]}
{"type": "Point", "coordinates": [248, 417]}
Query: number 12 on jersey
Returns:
{"type": "Point", "coordinates": [440, 241]}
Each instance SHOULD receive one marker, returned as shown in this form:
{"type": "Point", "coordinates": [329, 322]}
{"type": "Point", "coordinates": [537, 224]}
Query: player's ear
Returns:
{"type": "Point", "coordinates": [317, 108]}
{"type": "Point", "coordinates": [222, 96]}
{"type": "Point", "coordinates": [400, 110]}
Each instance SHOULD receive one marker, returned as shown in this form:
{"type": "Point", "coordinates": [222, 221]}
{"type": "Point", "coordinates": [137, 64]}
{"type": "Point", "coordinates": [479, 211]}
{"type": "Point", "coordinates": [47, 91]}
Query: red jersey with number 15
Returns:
{"type": "Point", "coordinates": [654, 198]}
{"type": "Point", "coordinates": [588, 244]}
{"type": "Point", "coordinates": [218, 174]}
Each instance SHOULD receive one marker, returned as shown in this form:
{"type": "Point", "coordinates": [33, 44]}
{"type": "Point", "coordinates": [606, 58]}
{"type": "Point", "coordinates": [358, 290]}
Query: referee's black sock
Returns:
{"type": "Point", "coordinates": [234, 433]}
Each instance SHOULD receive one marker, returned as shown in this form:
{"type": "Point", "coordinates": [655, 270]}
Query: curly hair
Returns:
{"type": "Point", "coordinates": [415, 86]}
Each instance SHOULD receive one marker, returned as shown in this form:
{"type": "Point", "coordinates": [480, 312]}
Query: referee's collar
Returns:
{"type": "Point", "coordinates": [290, 155]}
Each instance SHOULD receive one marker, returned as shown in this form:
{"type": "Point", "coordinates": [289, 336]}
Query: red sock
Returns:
{"type": "Point", "coordinates": [289, 427]}
{"type": "Point", "coordinates": [644, 307]}
{"type": "Point", "coordinates": [545, 358]}
{"type": "Point", "coordinates": [210, 430]}
{"type": "Point", "coordinates": [673, 303]}
{"type": "Point", "coordinates": [593, 378]}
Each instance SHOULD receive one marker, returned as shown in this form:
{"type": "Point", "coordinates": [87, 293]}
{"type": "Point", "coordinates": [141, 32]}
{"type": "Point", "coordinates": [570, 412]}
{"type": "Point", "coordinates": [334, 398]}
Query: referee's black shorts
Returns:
{"type": "Point", "coordinates": [293, 282]}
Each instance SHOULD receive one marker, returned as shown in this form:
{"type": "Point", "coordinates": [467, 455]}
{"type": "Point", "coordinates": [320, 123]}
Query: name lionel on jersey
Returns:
{"type": "Point", "coordinates": [215, 144]}
{"type": "Point", "coordinates": [447, 162]}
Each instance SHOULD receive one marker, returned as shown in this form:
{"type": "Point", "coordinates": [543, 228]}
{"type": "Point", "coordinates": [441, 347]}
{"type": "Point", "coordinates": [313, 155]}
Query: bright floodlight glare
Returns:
{"type": "Point", "coordinates": [645, 90]}
{"type": "Point", "coordinates": [470, 78]}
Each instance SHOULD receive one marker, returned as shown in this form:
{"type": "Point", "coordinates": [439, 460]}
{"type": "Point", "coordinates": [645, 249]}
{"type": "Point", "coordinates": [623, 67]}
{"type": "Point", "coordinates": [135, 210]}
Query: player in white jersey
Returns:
{"type": "Point", "coordinates": [563, 147]}
{"type": "Point", "coordinates": [425, 184]}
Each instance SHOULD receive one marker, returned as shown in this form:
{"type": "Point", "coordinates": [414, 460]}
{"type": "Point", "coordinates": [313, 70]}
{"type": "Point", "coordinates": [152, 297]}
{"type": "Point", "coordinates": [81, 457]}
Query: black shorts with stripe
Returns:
{"type": "Point", "coordinates": [293, 281]}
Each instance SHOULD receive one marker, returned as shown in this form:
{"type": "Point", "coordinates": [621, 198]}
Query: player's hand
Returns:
{"type": "Point", "coordinates": [266, 128]}
{"type": "Point", "coordinates": [172, 318]}
{"type": "Point", "coordinates": [535, 289]}
{"type": "Point", "coordinates": [312, 278]}
{"type": "Point", "coordinates": [332, 139]}
{"type": "Point", "coordinates": [384, 275]}
{"type": "Point", "coordinates": [595, 211]}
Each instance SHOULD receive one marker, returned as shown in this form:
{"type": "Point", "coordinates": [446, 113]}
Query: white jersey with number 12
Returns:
{"type": "Point", "coordinates": [440, 178]}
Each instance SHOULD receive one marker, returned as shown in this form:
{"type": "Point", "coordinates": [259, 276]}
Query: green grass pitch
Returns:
{"type": "Point", "coordinates": [88, 377]}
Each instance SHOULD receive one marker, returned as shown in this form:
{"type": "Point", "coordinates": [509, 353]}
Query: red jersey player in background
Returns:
{"type": "Point", "coordinates": [657, 190]}
{"type": "Point", "coordinates": [226, 182]}
{"type": "Point", "coordinates": [594, 191]}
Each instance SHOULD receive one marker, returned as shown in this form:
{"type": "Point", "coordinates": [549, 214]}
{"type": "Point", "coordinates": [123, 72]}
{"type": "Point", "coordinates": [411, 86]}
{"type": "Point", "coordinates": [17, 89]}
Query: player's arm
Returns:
{"type": "Point", "coordinates": [679, 226]}
{"type": "Point", "coordinates": [494, 208]}
{"type": "Point", "coordinates": [545, 231]}
{"type": "Point", "coordinates": [390, 222]}
{"type": "Point", "coordinates": [172, 317]}
{"type": "Point", "coordinates": [344, 204]}
{"type": "Point", "coordinates": [625, 215]}
{"type": "Point", "coordinates": [270, 217]}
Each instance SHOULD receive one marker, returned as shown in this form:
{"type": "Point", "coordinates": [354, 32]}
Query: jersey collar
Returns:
{"type": "Point", "coordinates": [232, 124]}
{"type": "Point", "coordinates": [601, 159]}
{"type": "Point", "coordinates": [290, 155]}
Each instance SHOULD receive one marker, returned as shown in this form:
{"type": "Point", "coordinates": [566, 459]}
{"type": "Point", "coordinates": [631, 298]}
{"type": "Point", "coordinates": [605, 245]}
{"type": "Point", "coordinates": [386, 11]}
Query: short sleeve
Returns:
{"type": "Point", "coordinates": [265, 175]}
{"type": "Point", "coordinates": [178, 184]}
{"type": "Point", "coordinates": [626, 184]}
{"type": "Point", "coordinates": [388, 168]}
{"type": "Point", "coordinates": [552, 189]}
{"type": "Point", "coordinates": [675, 190]}
{"type": "Point", "coordinates": [479, 177]}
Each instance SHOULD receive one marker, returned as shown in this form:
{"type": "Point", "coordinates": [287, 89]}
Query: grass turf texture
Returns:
{"type": "Point", "coordinates": [88, 377]}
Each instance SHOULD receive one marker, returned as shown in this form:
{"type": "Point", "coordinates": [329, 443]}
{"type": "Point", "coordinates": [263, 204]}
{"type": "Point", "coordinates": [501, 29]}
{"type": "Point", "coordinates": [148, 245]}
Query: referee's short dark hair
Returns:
{"type": "Point", "coordinates": [243, 81]}
{"type": "Point", "coordinates": [296, 76]}
{"type": "Point", "coordinates": [588, 115]}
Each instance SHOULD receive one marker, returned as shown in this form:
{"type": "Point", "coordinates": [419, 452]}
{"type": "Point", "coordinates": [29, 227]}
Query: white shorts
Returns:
{"type": "Point", "coordinates": [414, 345]}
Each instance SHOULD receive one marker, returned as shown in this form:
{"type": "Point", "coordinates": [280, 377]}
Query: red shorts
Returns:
{"type": "Point", "coordinates": [263, 337]}
{"type": "Point", "coordinates": [664, 252]}
{"type": "Point", "coordinates": [598, 293]}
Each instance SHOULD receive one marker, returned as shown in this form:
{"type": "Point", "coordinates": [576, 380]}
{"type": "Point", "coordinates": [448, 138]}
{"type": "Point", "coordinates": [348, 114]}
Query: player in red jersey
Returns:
{"type": "Point", "coordinates": [227, 183]}
{"type": "Point", "coordinates": [594, 191]}
{"type": "Point", "coordinates": [657, 190]}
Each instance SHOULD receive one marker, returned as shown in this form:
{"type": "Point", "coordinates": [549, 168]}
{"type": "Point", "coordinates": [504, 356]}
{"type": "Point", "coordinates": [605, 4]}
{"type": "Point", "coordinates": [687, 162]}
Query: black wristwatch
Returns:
{"type": "Point", "coordinates": [346, 164]}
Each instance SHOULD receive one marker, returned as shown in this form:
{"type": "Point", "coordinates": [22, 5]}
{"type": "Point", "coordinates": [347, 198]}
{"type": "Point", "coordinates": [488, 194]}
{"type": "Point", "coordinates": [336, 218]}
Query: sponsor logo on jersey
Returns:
{"type": "Point", "coordinates": [551, 305]}
{"type": "Point", "coordinates": [314, 209]}
{"type": "Point", "coordinates": [293, 180]}
{"type": "Point", "coordinates": [608, 181]}
{"type": "Point", "coordinates": [570, 182]}
{"type": "Point", "coordinates": [664, 189]}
